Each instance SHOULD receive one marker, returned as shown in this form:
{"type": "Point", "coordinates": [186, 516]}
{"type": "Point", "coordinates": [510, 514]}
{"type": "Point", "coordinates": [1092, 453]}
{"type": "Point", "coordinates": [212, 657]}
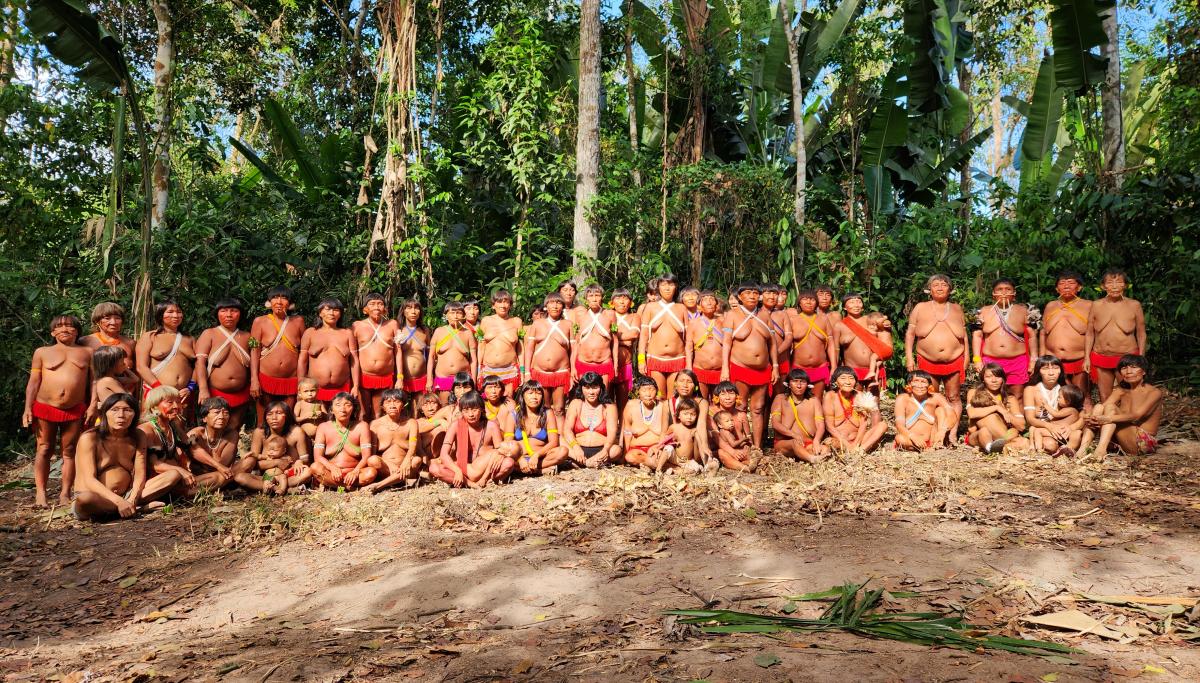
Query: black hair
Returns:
{"type": "Point", "coordinates": [838, 372]}
{"type": "Point", "coordinates": [687, 404]}
{"type": "Point", "coordinates": [619, 292]}
{"type": "Point", "coordinates": [806, 293]}
{"type": "Point", "coordinates": [102, 427]}
{"type": "Point", "coordinates": [374, 296]}
{"type": "Point", "coordinates": [470, 400]}
{"type": "Point", "coordinates": [590, 379]}
{"type": "Point", "coordinates": [920, 374]}
{"type": "Point", "coordinates": [489, 381]}
{"type": "Point", "coordinates": [669, 278]}
{"type": "Point", "coordinates": [1003, 281]}
{"type": "Point", "coordinates": [652, 286]}
{"type": "Point", "coordinates": [995, 369]}
{"type": "Point", "coordinates": [1035, 377]}
{"type": "Point", "coordinates": [461, 379]}
{"type": "Point", "coordinates": [724, 387]}
{"type": "Point", "coordinates": [644, 381]}
{"type": "Point", "coordinates": [695, 381]}
{"type": "Point", "coordinates": [280, 290]}
{"type": "Point", "coordinates": [567, 283]}
{"type": "Point", "coordinates": [160, 309]}
{"type": "Point", "coordinates": [799, 373]}
{"type": "Point", "coordinates": [1114, 272]}
{"type": "Point", "coordinates": [229, 302]}
{"type": "Point", "coordinates": [289, 419]}
{"type": "Point", "coordinates": [519, 395]}
{"type": "Point", "coordinates": [1135, 360]}
{"type": "Point", "coordinates": [67, 320]}
{"type": "Point", "coordinates": [105, 358]}
{"type": "Point", "coordinates": [333, 304]}
{"type": "Point", "coordinates": [501, 295]}
{"type": "Point", "coordinates": [211, 404]}
{"type": "Point", "coordinates": [854, 295]}
{"type": "Point", "coordinates": [347, 396]}
{"type": "Point", "coordinates": [394, 395]}
{"type": "Point", "coordinates": [1069, 275]}
{"type": "Point", "coordinates": [744, 285]}
{"type": "Point", "coordinates": [554, 296]}
{"type": "Point", "coordinates": [1074, 396]}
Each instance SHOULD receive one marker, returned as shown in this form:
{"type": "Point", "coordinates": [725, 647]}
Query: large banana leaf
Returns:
{"type": "Point", "coordinates": [76, 38]}
{"type": "Point", "coordinates": [819, 42]}
{"type": "Point", "coordinates": [927, 24]}
{"type": "Point", "coordinates": [294, 145]}
{"type": "Point", "coordinates": [1045, 110]}
{"type": "Point", "coordinates": [650, 32]}
{"type": "Point", "coordinates": [1076, 28]}
{"type": "Point", "coordinates": [887, 130]}
{"type": "Point", "coordinates": [265, 169]}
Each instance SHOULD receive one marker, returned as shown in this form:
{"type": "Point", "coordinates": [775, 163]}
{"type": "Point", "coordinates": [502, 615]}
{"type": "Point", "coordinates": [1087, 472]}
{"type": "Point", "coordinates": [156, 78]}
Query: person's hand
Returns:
{"type": "Point", "coordinates": [978, 366]}
{"type": "Point", "coordinates": [371, 489]}
{"type": "Point", "coordinates": [184, 393]}
{"type": "Point", "coordinates": [26, 418]}
{"type": "Point", "coordinates": [188, 477]}
{"type": "Point", "coordinates": [458, 478]}
{"type": "Point", "coordinates": [774, 374]}
{"type": "Point", "coordinates": [255, 390]}
{"type": "Point", "coordinates": [1030, 368]}
{"type": "Point", "coordinates": [1087, 364]}
{"type": "Point", "coordinates": [126, 509]}
{"type": "Point", "coordinates": [354, 392]}
{"type": "Point", "coordinates": [350, 478]}
{"type": "Point", "coordinates": [642, 367]}
{"type": "Point", "coordinates": [724, 374]}
{"type": "Point", "coordinates": [909, 364]}
{"type": "Point", "coordinates": [202, 396]}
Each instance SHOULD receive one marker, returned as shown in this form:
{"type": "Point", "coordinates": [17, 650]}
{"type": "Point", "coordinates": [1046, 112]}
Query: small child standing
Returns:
{"type": "Point", "coordinates": [309, 412]}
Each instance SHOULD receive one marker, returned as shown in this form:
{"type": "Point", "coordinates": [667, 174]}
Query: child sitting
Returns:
{"type": "Point", "coordinates": [733, 431]}
{"type": "Point", "coordinates": [309, 412]}
{"type": "Point", "coordinates": [990, 417]}
{"type": "Point", "coordinates": [1066, 424]}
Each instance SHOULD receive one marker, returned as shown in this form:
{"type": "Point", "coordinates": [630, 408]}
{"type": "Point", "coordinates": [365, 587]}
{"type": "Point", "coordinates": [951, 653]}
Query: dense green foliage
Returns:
{"type": "Point", "coordinates": [297, 82]}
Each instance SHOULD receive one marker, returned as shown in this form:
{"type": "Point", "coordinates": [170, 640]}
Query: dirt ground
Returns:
{"type": "Point", "coordinates": [568, 577]}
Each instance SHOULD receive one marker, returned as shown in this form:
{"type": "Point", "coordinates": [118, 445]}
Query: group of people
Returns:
{"type": "Point", "coordinates": [682, 381]}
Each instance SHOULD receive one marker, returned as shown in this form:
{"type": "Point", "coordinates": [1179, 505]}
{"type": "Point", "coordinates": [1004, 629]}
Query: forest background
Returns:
{"type": "Point", "coordinates": [442, 148]}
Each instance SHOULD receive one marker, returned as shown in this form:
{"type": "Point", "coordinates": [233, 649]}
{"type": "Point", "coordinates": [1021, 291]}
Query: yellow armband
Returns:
{"type": "Point", "coordinates": [551, 431]}
{"type": "Point", "coordinates": [820, 417]}
{"type": "Point", "coordinates": [509, 435]}
{"type": "Point", "coordinates": [976, 359]}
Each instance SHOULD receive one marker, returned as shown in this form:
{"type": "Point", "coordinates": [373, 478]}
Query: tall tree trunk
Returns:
{"type": "Point", "coordinates": [695, 22]}
{"type": "Point", "coordinates": [631, 91]}
{"type": "Point", "coordinates": [398, 28]}
{"type": "Point", "coordinates": [587, 135]}
{"type": "Point", "coordinates": [799, 206]}
{"type": "Point", "coordinates": [1110, 103]}
{"type": "Point", "coordinates": [964, 169]}
{"type": "Point", "coordinates": [8, 45]}
{"type": "Point", "coordinates": [164, 75]}
{"type": "Point", "coordinates": [438, 74]}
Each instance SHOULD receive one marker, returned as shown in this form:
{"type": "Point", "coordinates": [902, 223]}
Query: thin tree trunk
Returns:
{"type": "Point", "coordinates": [438, 25]}
{"type": "Point", "coordinates": [164, 75]}
{"type": "Point", "coordinates": [1110, 103]}
{"type": "Point", "coordinates": [631, 92]}
{"type": "Point", "coordinates": [798, 208]}
{"type": "Point", "coordinates": [666, 147]}
{"type": "Point", "coordinates": [964, 169]}
{"type": "Point", "coordinates": [997, 134]}
{"type": "Point", "coordinates": [8, 45]}
{"type": "Point", "coordinates": [587, 135]}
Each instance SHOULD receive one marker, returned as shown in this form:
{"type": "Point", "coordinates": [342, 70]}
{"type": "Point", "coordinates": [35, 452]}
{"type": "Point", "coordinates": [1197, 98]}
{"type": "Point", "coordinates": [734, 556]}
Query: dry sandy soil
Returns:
{"type": "Point", "coordinates": [568, 577]}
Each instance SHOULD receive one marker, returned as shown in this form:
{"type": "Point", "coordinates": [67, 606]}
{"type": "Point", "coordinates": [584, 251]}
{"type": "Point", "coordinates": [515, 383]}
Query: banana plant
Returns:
{"type": "Point", "coordinates": [1076, 29]}
{"type": "Point", "coordinates": [76, 38]}
{"type": "Point", "coordinates": [317, 175]}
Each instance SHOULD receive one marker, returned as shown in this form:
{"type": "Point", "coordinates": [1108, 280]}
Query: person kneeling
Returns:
{"type": "Point", "coordinates": [110, 473]}
{"type": "Point", "coordinates": [922, 418]}
{"type": "Point", "coordinates": [471, 454]}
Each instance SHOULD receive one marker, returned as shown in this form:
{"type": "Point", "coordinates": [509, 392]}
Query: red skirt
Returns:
{"type": "Point", "coordinates": [749, 376]}
{"type": "Point", "coordinates": [605, 369]}
{"type": "Point", "coordinates": [1103, 360]}
{"type": "Point", "coordinates": [707, 376]}
{"type": "Point", "coordinates": [816, 374]}
{"type": "Point", "coordinates": [549, 380]}
{"type": "Point", "coordinates": [1073, 367]}
{"type": "Point", "coordinates": [235, 399]}
{"type": "Point", "coordinates": [666, 367]}
{"type": "Point", "coordinates": [377, 382]}
{"type": "Point", "coordinates": [416, 385]}
{"type": "Point", "coordinates": [861, 374]}
{"type": "Point", "coordinates": [49, 413]}
{"type": "Point", "coordinates": [278, 386]}
{"type": "Point", "coordinates": [326, 394]}
{"type": "Point", "coordinates": [958, 365]}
